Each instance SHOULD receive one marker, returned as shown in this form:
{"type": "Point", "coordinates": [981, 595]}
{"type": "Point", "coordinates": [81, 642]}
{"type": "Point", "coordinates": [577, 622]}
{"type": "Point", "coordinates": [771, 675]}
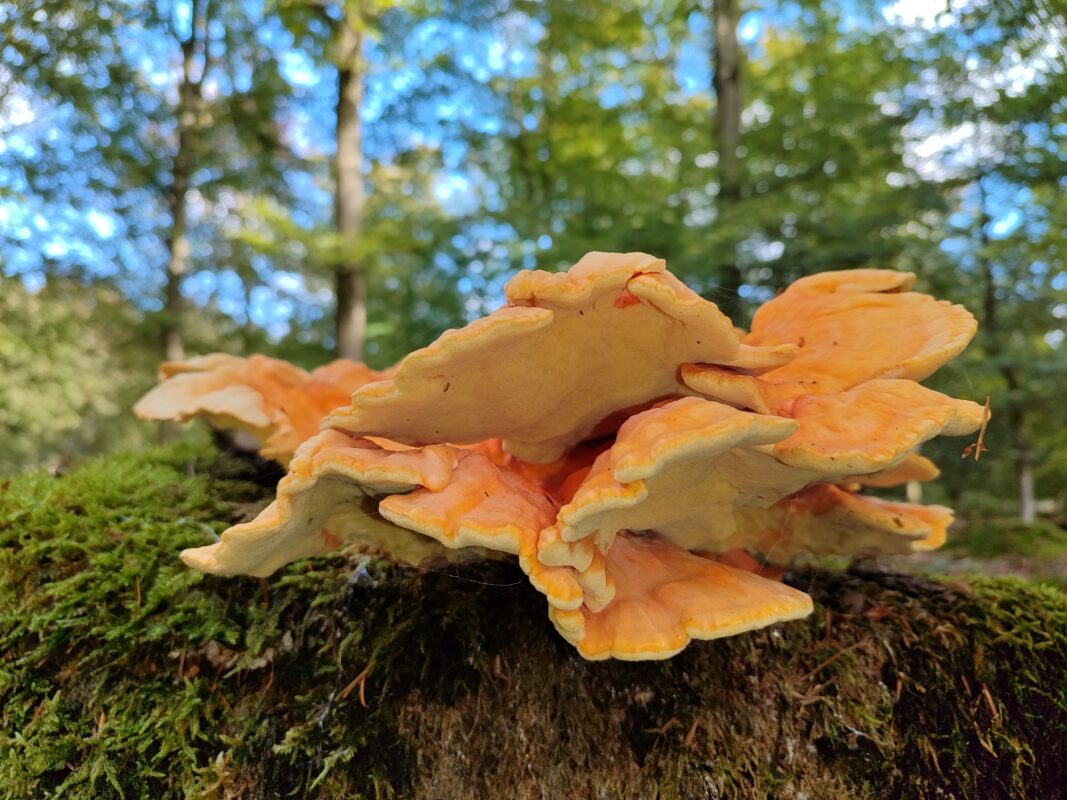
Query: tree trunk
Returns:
{"type": "Point", "coordinates": [727, 130]}
{"type": "Point", "coordinates": [1014, 412]}
{"type": "Point", "coordinates": [178, 239]}
{"type": "Point", "coordinates": [1027, 501]}
{"type": "Point", "coordinates": [351, 285]}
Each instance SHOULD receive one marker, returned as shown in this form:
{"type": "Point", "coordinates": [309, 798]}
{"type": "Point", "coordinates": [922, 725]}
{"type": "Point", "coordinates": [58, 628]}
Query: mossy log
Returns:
{"type": "Point", "coordinates": [123, 674]}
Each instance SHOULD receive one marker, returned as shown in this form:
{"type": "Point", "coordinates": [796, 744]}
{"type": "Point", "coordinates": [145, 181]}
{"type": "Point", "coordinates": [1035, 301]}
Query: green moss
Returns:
{"type": "Point", "coordinates": [123, 674]}
{"type": "Point", "coordinates": [93, 603]}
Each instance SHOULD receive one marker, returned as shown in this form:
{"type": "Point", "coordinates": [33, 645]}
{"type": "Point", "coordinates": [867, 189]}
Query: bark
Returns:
{"type": "Point", "coordinates": [1027, 501]}
{"type": "Point", "coordinates": [193, 51]}
{"type": "Point", "coordinates": [727, 130]}
{"type": "Point", "coordinates": [351, 284]}
{"type": "Point", "coordinates": [1015, 414]}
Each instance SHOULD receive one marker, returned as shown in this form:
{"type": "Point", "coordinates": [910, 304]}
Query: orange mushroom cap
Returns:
{"type": "Point", "coordinates": [666, 596]}
{"type": "Point", "coordinates": [871, 427]}
{"type": "Point", "coordinates": [828, 520]}
{"type": "Point", "coordinates": [691, 469]}
{"type": "Point", "coordinates": [484, 505]}
{"type": "Point", "coordinates": [439, 500]}
{"type": "Point", "coordinates": [849, 327]}
{"type": "Point", "coordinates": [914, 467]}
{"type": "Point", "coordinates": [327, 500]}
{"type": "Point", "coordinates": [680, 469]}
{"type": "Point", "coordinates": [278, 404]}
{"type": "Point", "coordinates": [569, 351]}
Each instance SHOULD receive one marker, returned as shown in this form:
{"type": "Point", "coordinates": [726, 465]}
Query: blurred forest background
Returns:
{"type": "Point", "coordinates": [310, 177]}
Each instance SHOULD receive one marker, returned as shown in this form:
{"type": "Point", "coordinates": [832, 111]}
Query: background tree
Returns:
{"type": "Point", "coordinates": [498, 135]}
{"type": "Point", "coordinates": [388, 80]}
{"type": "Point", "coordinates": [147, 124]}
{"type": "Point", "coordinates": [726, 79]}
{"type": "Point", "coordinates": [996, 102]}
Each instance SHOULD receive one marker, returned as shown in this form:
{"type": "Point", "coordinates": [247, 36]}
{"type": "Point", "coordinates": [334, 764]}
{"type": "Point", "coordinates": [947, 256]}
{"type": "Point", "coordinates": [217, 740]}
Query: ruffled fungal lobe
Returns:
{"type": "Point", "coordinates": [327, 500]}
{"type": "Point", "coordinates": [849, 327]}
{"type": "Point", "coordinates": [414, 505]}
{"type": "Point", "coordinates": [666, 596]}
{"type": "Point", "coordinates": [829, 520]}
{"type": "Point", "coordinates": [568, 351]}
{"type": "Point", "coordinates": [277, 404]}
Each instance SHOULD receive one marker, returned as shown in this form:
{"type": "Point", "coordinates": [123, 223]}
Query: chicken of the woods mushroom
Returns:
{"type": "Point", "coordinates": [647, 462]}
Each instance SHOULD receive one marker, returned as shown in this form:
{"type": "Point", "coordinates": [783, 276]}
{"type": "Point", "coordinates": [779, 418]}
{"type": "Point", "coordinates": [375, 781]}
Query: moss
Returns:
{"type": "Point", "coordinates": [123, 674]}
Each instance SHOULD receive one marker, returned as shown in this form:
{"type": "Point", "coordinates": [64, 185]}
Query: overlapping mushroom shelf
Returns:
{"type": "Point", "coordinates": [645, 461]}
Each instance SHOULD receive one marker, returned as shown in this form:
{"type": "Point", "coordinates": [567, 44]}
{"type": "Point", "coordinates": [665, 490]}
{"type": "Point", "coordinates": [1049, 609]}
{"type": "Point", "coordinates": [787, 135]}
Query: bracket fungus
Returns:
{"type": "Point", "coordinates": [838, 322]}
{"type": "Point", "coordinates": [270, 404]}
{"type": "Point", "coordinates": [556, 365]}
{"type": "Point", "coordinates": [647, 463]}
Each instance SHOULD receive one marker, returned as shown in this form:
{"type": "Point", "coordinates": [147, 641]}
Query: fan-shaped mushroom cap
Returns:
{"type": "Point", "coordinates": [278, 404]}
{"type": "Point", "coordinates": [569, 350]}
{"type": "Point", "coordinates": [850, 327]}
{"type": "Point", "coordinates": [435, 495]}
{"type": "Point", "coordinates": [828, 520]}
{"type": "Point", "coordinates": [690, 468]}
{"type": "Point", "coordinates": [679, 470]}
{"type": "Point", "coordinates": [486, 506]}
{"type": "Point", "coordinates": [914, 467]}
{"type": "Point", "coordinates": [871, 427]}
{"type": "Point", "coordinates": [666, 596]}
{"type": "Point", "coordinates": [325, 501]}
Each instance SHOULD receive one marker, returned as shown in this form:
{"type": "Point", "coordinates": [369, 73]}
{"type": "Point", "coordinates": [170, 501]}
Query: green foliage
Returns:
{"type": "Point", "coordinates": [73, 365]}
{"type": "Point", "coordinates": [98, 80]}
{"type": "Point", "coordinates": [826, 185]}
{"type": "Point", "coordinates": [1041, 541]}
{"type": "Point", "coordinates": [828, 104]}
{"type": "Point", "coordinates": [1005, 189]}
{"type": "Point", "coordinates": [406, 249]}
{"type": "Point", "coordinates": [75, 358]}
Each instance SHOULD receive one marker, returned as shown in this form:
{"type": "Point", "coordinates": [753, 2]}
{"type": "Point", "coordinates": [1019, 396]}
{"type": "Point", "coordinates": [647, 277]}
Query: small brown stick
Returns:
{"type": "Point", "coordinates": [361, 681]}
{"type": "Point", "coordinates": [979, 447]}
{"type": "Point", "coordinates": [692, 735]}
{"type": "Point", "coordinates": [989, 702]}
{"type": "Point", "coordinates": [665, 727]}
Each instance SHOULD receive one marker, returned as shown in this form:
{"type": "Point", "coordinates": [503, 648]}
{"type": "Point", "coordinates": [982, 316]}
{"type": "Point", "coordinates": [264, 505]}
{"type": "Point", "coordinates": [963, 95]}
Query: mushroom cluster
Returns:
{"type": "Point", "coordinates": [643, 458]}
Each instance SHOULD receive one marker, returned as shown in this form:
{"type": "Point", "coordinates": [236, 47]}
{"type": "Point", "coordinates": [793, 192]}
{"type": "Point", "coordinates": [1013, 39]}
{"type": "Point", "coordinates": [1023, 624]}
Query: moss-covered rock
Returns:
{"type": "Point", "coordinates": [124, 674]}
